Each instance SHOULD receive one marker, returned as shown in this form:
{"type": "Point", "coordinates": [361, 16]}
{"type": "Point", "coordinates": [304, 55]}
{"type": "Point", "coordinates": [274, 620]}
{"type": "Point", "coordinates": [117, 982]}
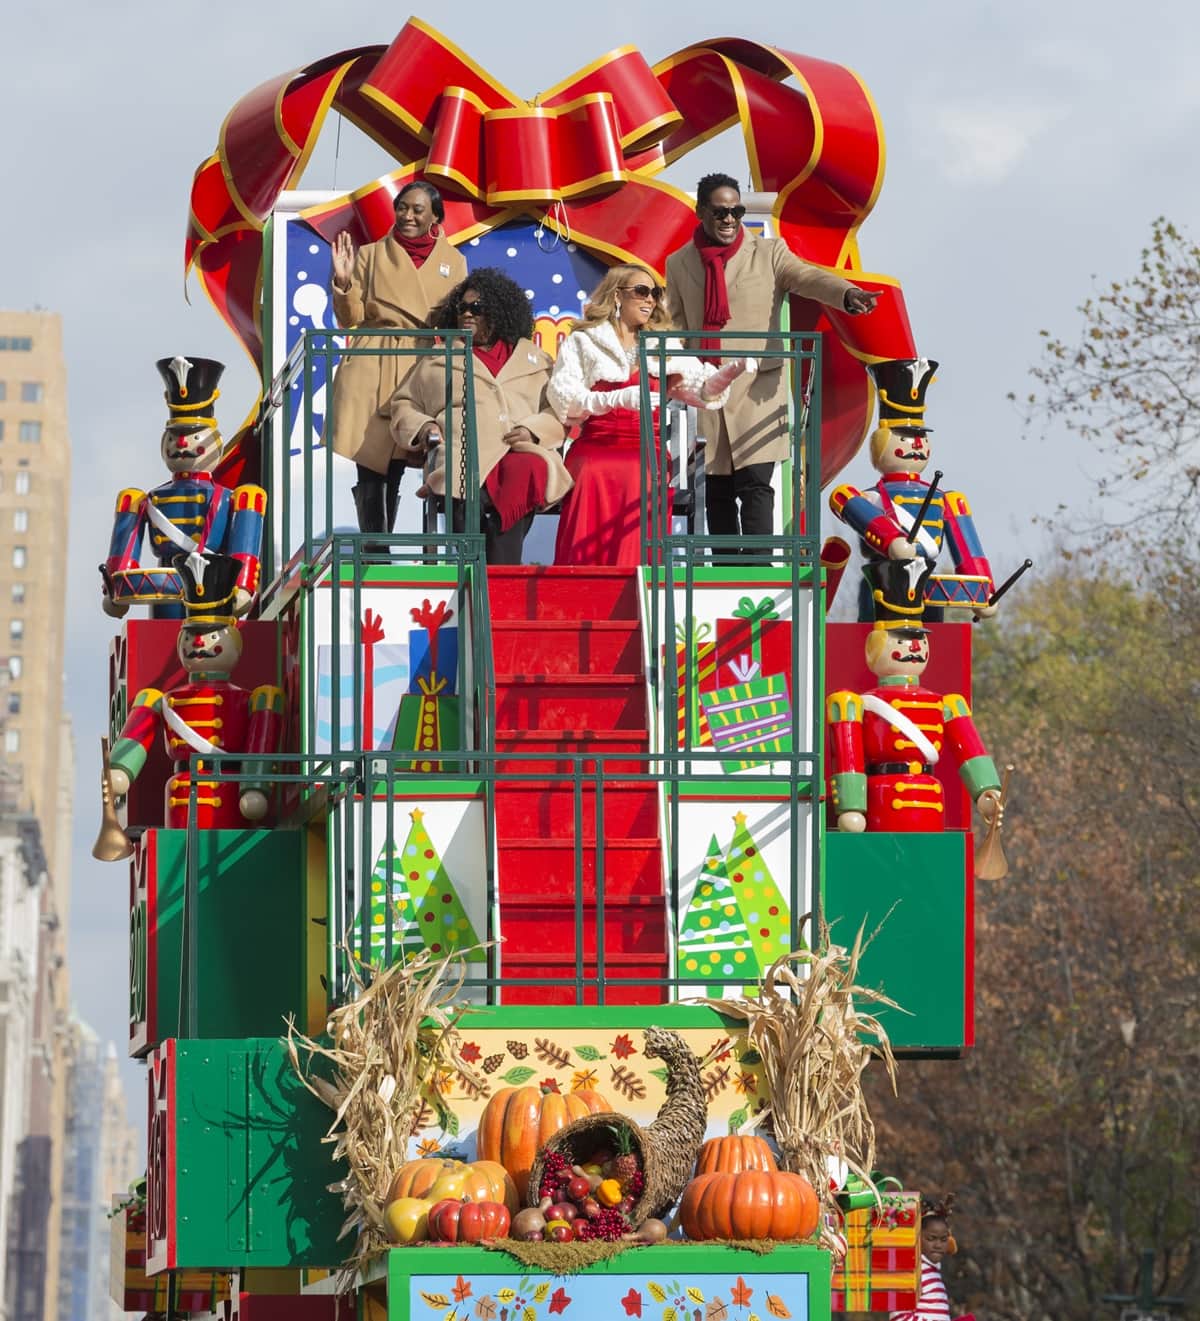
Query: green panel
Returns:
{"type": "Point", "coordinates": [250, 1169]}
{"type": "Point", "coordinates": [252, 931]}
{"type": "Point", "coordinates": [794, 1274]}
{"type": "Point", "coordinates": [914, 888]}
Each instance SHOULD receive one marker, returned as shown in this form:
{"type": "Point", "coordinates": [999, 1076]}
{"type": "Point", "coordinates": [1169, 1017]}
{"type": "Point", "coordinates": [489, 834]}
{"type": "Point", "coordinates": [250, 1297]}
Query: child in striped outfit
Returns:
{"type": "Point", "coordinates": [933, 1303]}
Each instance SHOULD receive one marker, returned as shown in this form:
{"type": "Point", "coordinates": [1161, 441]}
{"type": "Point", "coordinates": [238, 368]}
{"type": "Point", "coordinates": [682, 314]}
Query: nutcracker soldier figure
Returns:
{"type": "Point", "coordinates": [208, 714]}
{"type": "Point", "coordinates": [884, 515]}
{"type": "Point", "coordinates": [191, 512]}
{"type": "Point", "coordinates": [884, 743]}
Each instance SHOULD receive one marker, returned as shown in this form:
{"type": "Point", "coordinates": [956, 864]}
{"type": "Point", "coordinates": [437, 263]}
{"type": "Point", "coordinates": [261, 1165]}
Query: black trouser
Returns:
{"type": "Point", "coordinates": [499, 547]}
{"type": "Point", "coordinates": [749, 486]}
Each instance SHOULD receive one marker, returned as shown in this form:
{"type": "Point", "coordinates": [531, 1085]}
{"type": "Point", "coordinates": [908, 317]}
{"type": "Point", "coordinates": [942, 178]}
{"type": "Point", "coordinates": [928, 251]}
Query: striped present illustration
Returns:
{"type": "Point", "coordinates": [881, 1271]}
{"type": "Point", "coordinates": [694, 655]}
{"type": "Point", "coordinates": [750, 722]}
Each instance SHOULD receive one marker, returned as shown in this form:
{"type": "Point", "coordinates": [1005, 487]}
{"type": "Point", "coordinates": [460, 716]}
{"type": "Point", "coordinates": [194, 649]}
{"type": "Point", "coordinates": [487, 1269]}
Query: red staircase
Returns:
{"type": "Point", "coordinates": [567, 652]}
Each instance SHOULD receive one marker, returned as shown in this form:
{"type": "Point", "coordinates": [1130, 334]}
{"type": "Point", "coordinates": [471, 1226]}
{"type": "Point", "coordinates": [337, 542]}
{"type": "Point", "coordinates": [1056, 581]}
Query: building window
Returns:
{"type": "Point", "coordinates": [32, 392]}
{"type": "Point", "coordinates": [16, 629]}
{"type": "Point", "coordinates": [16, 344]}
{"type": "Point", "coordinates": [29, 433]}
{"type": "Point", "coordinates": [14, 667]}
{"type": "Point", "coordinates": [14, 704]}
{"type": "Point", "coordinates": [18, 593]}
{"type": "Point", "coordinates": [20, 557]}
{"type": "Point", "coordinates": [12, 740]}
{"type": "Point", "coordinates": [20, 520]}
{"type": "Point", "coordinates": [21, 485]}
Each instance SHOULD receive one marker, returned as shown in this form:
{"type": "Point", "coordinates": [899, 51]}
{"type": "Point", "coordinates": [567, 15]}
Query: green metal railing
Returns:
{"type": "Point", "coordinates": [292, 396]}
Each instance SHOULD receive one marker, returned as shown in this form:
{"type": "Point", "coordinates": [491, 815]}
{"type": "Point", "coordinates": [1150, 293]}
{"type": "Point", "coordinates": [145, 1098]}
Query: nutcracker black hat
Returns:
{"type": "Point", "coordinates": [191, 385]}
{"type": "Point", "coordinates": [209, 583]}
{"type": "Point", "coordinates": [901, 384]}
{"type": "Point", "coordinates": [898, 593]}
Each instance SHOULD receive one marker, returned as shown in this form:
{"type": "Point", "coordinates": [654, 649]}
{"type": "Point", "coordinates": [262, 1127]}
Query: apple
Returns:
{"type": "Point", "coordinates": [558, 1231]}
{"type": "Point", "coordinates": [562, 1211]}
{"type": "Point", "coordinates": [626, 1204]}
{"type": "Point", "coordinates": [579, 1187]}
{"type": "Point", "coordinates": [590, 1207]}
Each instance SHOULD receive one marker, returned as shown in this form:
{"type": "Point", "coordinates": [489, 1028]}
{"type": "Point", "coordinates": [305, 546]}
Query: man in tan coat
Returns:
{"type": "Point", "coordinates": [392, 284]}
{"type": "Point", "coordinates": [726, 279]}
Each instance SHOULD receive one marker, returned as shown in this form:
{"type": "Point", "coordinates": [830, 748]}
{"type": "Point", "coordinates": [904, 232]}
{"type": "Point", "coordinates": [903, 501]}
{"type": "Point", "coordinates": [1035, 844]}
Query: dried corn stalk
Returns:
{"type": "Point", "coordinates": [386, 1047]}
{"type": "Point", "coordinates": [815, 1046]}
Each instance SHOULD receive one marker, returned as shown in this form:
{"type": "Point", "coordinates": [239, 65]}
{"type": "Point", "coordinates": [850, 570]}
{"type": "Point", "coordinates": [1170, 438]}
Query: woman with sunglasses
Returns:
{"type": "Point", "coordinates": [517, 434]}
{"type": "Point", "coordinates": [391, 284]}
{"type": "Point", "coordinates": [596, 386]}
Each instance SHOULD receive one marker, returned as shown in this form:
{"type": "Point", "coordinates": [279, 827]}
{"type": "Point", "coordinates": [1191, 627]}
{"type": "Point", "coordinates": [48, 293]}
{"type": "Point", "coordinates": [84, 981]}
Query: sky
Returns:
{"type": "Point", "coordinates": [1030, 146]}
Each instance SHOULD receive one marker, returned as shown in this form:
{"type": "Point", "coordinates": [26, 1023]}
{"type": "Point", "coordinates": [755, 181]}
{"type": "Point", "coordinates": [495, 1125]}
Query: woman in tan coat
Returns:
{"type": "Point", "coordinates": [517, 434]}
{"type": "Point", "coordinates": [391, 284]}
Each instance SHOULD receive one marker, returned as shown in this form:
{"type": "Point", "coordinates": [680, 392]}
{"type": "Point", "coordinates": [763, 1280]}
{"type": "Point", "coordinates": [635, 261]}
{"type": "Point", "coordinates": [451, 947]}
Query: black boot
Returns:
{"type": "Point", "coordinates": [395, 474]}
{"type": "Point", "coordinates": [369, 502]}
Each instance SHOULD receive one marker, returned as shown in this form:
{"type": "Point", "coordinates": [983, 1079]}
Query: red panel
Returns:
{"type": "Point", "coordinates": [949, 672]}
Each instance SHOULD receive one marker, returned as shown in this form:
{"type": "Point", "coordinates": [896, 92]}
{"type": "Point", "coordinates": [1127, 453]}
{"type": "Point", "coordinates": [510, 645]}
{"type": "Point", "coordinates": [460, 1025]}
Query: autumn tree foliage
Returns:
{"type": "Point", "coordinates": [1129, 387]}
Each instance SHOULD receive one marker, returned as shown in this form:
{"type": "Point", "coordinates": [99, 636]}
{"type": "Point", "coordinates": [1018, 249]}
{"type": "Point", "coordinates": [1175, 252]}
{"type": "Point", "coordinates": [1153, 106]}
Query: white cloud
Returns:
{"type": "Point", "coordinates": [983, 144]}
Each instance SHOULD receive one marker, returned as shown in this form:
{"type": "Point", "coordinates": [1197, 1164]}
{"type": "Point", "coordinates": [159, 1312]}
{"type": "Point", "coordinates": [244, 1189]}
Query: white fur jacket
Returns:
{"type": "Point", "coordinates": [593, 353]}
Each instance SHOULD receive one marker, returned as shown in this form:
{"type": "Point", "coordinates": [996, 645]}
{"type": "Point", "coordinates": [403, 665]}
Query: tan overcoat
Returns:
{"type": "Point", "coordinates": [386, 290]}
{"type": "Point", "coordinates": [515, 398]}
{"type": "Point", "coordinates": [752, 427]}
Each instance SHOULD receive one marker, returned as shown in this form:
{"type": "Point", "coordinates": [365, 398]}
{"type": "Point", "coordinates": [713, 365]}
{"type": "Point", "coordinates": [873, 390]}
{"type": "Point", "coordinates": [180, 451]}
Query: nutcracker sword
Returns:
{"type": "Point", "coordinates": [924, 509]}
{"type": "Point", "coordinates": [1006, 584]}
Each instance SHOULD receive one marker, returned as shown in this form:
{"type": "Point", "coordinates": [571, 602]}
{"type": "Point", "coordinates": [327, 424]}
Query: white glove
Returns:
{"type": "Point", "coordinates": [711, 394]}
{"type": "Point", "coordinates": [598, 402]}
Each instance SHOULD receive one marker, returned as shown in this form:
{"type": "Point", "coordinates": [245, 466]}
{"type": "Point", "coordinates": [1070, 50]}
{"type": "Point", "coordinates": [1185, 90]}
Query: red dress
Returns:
{"type": "Point", "coordinates": [601, 520]}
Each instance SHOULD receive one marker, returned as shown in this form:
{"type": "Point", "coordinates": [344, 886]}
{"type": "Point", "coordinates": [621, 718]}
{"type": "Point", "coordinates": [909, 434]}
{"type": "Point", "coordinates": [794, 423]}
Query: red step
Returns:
{"type": "Point", "coordinates": [536, 928]}
{"type": "Point", "coordinates": [567, 646]}
{"type": "Point", "coordinates": [574, 701]}
{"type": "Point", "coordinates": [625, 980]}
{"type": "Point", "coordinates": [529, 592]}
{"type": "Point", "coordinates": [555, 749]}
{"type": "Point", "coordinates": [545, 869]}
{"type": "Point", "coordinates": [546, 809]}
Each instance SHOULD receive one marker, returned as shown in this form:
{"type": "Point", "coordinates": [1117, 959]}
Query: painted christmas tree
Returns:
{"type": "Point", "coordinates": [763, 908]}
{"type": "Point", "coordinates": [440, 916]}
{"type": "Point", "coordinates": [713, 940]}
{"type": "Point", "coordinates": [391, 887]}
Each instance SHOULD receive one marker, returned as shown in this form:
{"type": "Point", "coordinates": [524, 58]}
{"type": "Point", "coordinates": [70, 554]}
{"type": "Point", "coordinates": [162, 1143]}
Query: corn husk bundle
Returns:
{"type": "Point", "coordinates": [815, 1042]}
{"type": "Point", "coordinates": [378, 1070]}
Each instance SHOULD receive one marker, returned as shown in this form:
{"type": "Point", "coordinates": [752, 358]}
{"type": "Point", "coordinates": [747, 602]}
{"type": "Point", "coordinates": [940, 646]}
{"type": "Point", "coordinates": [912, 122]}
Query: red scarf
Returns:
{"type": "Point", "coordinates": [715, 257]}
{"type": "Point", "coordinates": [417, 249]}
{"type": "Point", "coordinates": [494, 356]}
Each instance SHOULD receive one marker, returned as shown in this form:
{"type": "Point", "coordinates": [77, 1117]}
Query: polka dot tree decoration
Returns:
{"type": "Point", "coordinates": [763, 908]}
{"type": "Point", "coordinates": [440, 916]}
{"type": "Point", "coordinates": [714, 944]}
{"type": "Point", "coordinates": [392, 888]}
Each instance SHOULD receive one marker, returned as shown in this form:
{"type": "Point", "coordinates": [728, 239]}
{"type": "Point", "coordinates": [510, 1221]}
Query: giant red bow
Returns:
{"type": "Point", "coordinates": [583, 157]}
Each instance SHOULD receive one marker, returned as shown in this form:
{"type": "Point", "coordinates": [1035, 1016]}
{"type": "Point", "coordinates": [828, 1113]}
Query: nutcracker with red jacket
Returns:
{"type": "Point", "coordinates": [191, 512]}
{"type": "Point", "coordinates": [884, 743]}
{"type": "Point", "coordinates": [884, 516]}
{"type": "Point", "coordinates": [208, 715]}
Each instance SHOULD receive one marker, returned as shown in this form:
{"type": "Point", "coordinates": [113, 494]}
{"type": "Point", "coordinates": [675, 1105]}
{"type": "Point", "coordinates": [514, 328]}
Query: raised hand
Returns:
{"type": "Point", "coordinates": [344, 253]}
{"type": "Point", "coordinates": [860, 300]}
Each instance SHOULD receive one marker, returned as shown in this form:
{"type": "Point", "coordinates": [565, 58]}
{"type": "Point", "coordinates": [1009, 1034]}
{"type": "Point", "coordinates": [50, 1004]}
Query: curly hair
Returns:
{"type": "Point", "coordinates": [933, 1209]}
{"type": "Point", "coordinates": [603, 302]}
{"type": "Point", "coordinates": [709, 185]}
{"type": "Point", "coordinates": [508, 313]}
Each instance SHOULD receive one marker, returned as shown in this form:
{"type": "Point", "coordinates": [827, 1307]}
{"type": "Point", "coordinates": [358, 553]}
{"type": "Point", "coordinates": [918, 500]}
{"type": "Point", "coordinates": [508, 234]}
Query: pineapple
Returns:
{"type": "Point", "coordinates": [624, 1165]}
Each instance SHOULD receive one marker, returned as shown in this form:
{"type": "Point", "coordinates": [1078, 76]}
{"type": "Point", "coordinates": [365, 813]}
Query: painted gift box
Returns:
{"type": "Point", "coordinates": [753, 643]}
{"type": "Point", "coordinates": [695, 663]}
{"type": "Point", "coordinates": [881, 1271]}
{"type": "Point", "coordinates": [751, 722]}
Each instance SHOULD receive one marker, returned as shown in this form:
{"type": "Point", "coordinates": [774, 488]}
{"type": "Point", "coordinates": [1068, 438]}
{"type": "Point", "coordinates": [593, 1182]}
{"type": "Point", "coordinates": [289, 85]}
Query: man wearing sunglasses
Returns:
{"type": "Point", "coordinates": [727, 279]}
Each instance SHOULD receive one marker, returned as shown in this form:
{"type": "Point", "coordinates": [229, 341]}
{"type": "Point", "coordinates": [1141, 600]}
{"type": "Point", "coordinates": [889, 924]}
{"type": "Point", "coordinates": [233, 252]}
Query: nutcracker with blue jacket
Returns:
{"type": "Point", "coordinates": [208, 715]}
{"type": "Point", "coordinates": [885, 743]}
{"type": "Point", "coordinates": [884, 516]}
{"type": "Point", "coordinates": [190, 512]}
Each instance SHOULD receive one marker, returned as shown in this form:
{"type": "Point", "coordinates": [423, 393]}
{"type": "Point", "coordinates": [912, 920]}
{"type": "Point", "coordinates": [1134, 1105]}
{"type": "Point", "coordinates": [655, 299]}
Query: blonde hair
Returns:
{"type": "Point", "coordinates": [603, 302]}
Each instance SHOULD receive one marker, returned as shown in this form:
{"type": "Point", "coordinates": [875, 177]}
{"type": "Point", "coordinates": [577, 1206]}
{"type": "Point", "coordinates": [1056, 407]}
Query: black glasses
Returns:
{"type": "Point", "coordinates": [477, 307]}
{"type": "Point", "coordinates": [724, 212]}
{"type": "Point", "coordinates": [642, 291]}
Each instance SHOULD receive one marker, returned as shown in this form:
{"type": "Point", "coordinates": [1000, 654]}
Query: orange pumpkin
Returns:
{"type": "Point", "coordinates": [753, 1204]}
{"type": "Point", "coordinates": [518, 1122]}
{"type": "Point", "coordinates": [417, 1177]}
{"type": "Point", "coordinates": [732, 1155]}
{"type": "Point", "coordinates": [481, 1181]}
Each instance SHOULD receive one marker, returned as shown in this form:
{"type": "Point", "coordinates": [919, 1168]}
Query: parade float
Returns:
{"type": "Point", "coordinates": [495, 934]}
